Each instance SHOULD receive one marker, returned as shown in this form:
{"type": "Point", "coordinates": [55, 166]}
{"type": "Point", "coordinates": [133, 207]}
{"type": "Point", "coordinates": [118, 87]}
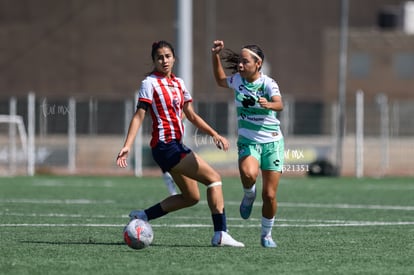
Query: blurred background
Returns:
{"type": "Point", "coordinates": [70, 70]}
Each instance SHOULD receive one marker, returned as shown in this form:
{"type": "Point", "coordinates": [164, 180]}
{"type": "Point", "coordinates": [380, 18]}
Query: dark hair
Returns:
{"type": "Point", "coordinates": [232, 58]}
{"type": "Point", "coordinates": [158, 45]}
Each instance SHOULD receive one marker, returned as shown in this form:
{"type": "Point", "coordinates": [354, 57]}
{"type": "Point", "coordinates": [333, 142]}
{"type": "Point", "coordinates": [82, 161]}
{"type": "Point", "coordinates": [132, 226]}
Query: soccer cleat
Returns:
{"type": "Point", "coordinates": [222, 238]}
{"type": "Point", "coordinates": [138, 214]}
{"type": "Point", "coordinates": [268, 242]}
{"type": "Point", "coordinates": [246, 206]}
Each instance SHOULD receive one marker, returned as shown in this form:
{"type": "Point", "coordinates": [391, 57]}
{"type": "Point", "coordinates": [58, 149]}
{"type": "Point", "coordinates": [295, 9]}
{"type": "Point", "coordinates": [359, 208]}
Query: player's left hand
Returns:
{"type": "Point", "coordinates": [221, 142]}
{"type": "Point", "coordinates": [264, 103]}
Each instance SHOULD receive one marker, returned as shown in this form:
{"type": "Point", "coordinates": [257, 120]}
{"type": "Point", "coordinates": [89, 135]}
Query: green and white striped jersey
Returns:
{"type": "Point", "coordinates": [255, 124]}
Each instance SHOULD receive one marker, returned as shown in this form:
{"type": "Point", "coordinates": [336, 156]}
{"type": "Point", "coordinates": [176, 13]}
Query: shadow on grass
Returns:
{"type": "Point", "coordinates": [91, 242]}
{"type": "Point", "coordinates": [179, 245]}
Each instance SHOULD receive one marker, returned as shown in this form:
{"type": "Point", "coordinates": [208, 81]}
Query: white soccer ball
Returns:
{"type": "Point", "coordinates": [138, 234]}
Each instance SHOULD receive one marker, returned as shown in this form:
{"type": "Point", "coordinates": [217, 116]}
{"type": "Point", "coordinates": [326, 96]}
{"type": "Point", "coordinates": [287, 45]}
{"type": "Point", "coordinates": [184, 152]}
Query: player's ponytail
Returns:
{"type": "Point", "coordinates": [232, 59]}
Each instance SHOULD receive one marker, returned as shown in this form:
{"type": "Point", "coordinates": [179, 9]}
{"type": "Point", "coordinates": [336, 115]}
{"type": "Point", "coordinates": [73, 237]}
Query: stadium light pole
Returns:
{"type": "Point", "coordinates": [185, 41]}
{"type": "Point", "coordinates": [185, 48]}
{"type": "Point", "coordinates": [343, 49]}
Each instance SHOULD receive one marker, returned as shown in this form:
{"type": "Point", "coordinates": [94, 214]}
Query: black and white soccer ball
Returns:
{"type": "Point", "coordinates": [138, 234]}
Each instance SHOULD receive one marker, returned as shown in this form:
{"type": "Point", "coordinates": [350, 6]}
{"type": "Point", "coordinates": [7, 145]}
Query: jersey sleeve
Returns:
{"type": "Point", "coordinates": [272, 88]}
{"type": "Point", "coordinates": [232, 81]}
{"type": "Point", "coordinates": [146, 93]}
{"type": "Point", "coordinates": [186, 93]}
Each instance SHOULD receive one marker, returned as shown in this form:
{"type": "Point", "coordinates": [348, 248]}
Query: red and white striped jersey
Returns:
{"type": "Point", "coordinates": [166, 97]}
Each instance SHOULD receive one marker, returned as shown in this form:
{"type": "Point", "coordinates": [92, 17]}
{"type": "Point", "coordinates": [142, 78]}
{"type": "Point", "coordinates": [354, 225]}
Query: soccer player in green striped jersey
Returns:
{"type": "Point", "coordinates": [260, 141]}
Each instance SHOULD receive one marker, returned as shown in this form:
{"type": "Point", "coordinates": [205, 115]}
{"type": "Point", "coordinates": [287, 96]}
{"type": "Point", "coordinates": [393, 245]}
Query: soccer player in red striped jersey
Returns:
{"type": "Point", "coordinates": [166, 98]}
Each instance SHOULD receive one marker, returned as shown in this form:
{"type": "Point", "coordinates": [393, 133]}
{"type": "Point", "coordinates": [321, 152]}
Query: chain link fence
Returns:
{"type": "Point", "coordinates": [99, 127]}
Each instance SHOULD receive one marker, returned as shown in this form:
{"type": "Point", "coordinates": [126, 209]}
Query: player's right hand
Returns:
{"type": "Point", "coordinates": [218, 45]}
{"type": "Point", "coordinates": [121, 159]}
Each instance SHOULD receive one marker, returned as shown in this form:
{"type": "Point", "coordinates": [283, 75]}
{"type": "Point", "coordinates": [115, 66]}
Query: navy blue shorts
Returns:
{"type": "Point", "coordinates": [168, 155]}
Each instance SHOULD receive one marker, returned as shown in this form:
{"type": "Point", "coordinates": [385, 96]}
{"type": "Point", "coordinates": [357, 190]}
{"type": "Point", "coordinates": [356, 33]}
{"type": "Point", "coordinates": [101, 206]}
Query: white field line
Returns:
{"type": "Point", "coordinates": [281, 204]}
{"type": "Point", "coordinates": [254, 222]}
{"type": "Point", "coordinates": [354, 224]}
{"type": "Point", "coordinates": [175, 217]}
{"type": "Point", "coordinates": [347, 206]}
{"type": "Point", "coordinates": [299, 223]}
{"type": "Point", "coordinates": [335, 205]}
{"type": "Point", "coordinates": [55, 201]}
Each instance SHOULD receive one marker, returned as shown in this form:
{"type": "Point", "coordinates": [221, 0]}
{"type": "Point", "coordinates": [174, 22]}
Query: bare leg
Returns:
{"type": "Point", "coordinates": [249, 170]}
{"type": "Point", "coordinates": [186, 174]}
{"type": "Point", "coordinates": [269, 192]}
{"type": "Point", "coordinates": [194, 169]}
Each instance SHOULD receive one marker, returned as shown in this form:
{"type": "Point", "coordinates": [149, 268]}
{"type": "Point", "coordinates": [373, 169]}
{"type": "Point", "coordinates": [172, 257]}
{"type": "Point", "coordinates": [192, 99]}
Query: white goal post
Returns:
{"type": "Point", "coordinates": [12, 153]}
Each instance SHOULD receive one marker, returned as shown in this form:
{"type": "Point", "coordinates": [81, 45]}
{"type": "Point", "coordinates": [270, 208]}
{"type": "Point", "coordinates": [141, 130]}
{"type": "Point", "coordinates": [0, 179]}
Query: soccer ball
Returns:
{"type": "Point", "coordinates": [138, 234]}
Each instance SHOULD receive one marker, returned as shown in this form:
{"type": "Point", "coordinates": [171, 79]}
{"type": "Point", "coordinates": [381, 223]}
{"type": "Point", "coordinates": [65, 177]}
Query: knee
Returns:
{"type": "Point", "coordinates": [268, 196]}
{"type": "Point", "coordinates": [249, 170]}
{"type": "Point", "coordinates": [192, 199]}
{"type": "Point", "coordinates": [249, 175]}
{"type": "Point", "coordinates": [215, 177]}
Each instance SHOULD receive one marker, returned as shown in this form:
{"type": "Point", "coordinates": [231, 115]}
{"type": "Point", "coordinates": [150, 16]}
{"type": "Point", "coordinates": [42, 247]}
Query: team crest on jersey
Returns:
{"type": "Point", "coordinates": [176, 103]}
{"type": "Point", "coordinates": [261, 92]}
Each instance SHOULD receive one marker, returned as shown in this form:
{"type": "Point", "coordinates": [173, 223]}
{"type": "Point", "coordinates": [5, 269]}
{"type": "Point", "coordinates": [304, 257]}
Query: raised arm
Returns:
{"type": "Point", "coordinates": [218, 70]}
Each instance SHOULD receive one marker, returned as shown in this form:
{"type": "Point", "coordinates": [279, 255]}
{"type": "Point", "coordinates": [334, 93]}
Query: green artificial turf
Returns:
{"type": "Point", "coordinates": [73, 225]}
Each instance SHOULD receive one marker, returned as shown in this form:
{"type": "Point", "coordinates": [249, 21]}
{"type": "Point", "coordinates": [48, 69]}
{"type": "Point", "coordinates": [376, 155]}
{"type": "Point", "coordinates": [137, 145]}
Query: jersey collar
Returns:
{"type": "Point", "coordinates": [158, 74]}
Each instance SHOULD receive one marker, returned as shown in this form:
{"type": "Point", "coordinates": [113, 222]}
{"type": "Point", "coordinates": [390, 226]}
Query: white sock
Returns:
{"type": "Point", "coordinates": [169, 182]}
{"type": "Point", "coordinates": [267, 225]}
{"type": "Point", "coordinates": [250, 192]}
